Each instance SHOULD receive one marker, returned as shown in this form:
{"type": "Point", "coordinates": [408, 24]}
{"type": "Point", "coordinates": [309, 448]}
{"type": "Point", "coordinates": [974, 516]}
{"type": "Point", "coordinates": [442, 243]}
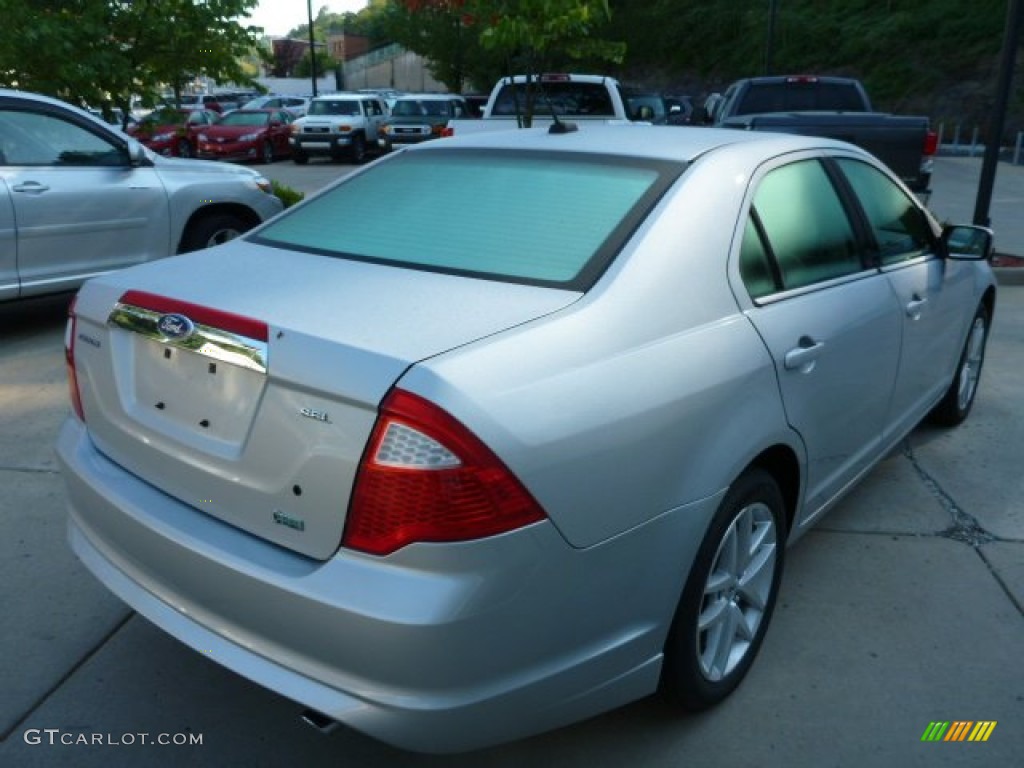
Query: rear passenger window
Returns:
{"type": "Point", "coordinates": [808, 232]}
{"type": "Point", "coordinates": [900, 229]}
{"type": "Point", "coordinates": [562, 97]}
{"type": "Point", "coordinates": [755, 264]}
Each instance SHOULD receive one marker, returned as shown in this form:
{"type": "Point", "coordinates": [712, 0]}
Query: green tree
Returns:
{"type": "Point", "coordinates": [61, 48]}
{"type": "Point", "coordinates": [102, 52]}
{"type": "Point", "coordinates": [325, 65]}
{"type": "Point", "coordinates": [174, 41]}
{"type": "Point", "coordinates": [479, 40]}
{"type": "Point", "coordinates": [539, 35]}
{"type": "Point", "coordinates": [443, 33]}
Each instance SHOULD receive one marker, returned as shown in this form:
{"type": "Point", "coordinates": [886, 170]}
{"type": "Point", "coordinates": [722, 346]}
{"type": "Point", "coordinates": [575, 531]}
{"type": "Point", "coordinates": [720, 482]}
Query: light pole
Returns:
{"type": "Point", "coordinates": [1011, 39]}
{"type": "Point", "coordinates": [312, 45]}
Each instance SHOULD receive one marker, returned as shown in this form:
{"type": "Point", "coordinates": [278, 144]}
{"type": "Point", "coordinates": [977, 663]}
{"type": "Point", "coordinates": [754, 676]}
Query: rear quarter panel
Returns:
{"type": "Point", "coordinates": [651, 392]}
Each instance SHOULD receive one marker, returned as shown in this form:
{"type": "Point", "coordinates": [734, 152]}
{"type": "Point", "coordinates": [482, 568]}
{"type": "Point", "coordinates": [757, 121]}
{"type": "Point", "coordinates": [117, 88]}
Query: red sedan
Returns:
{"type": "Point", "coordinates": [172, 132]}
{"type": "Point", "coordinates": [247, 134]}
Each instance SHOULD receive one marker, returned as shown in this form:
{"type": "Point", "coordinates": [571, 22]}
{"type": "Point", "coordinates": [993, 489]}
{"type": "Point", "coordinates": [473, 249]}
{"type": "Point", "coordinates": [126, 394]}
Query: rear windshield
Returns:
{"type": "Point", "coordinates": [350, 107]}
{"type": "Point", "coordinates": [164, 116]}
{"type": "Point", "coordinates": [800, 97]}
{"type": "Point", "coordinates": [554, 219]}
{"type": "Point", "coordinates": [239, 117]}
{"type": "Point", "coordinates": [561, 97]}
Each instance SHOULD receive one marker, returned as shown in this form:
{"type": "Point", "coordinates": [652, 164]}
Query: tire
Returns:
{"type": "Point", "coordinates": [267, 153]}
{"type": "Point", "coordinates": [357, 151]}
{"type": "Point", "coordinates": [956, 404]}
{"type": "Point", "coordinates": [729, 596]}
{"type": "Point", "coordinates": [212, 230]}
{"type": "Point", "coordinates": [299, 157]}
{"type": "Point", "coordinates": [183, 148]}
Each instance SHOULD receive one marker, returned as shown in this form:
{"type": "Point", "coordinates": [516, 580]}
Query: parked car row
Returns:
{"type": "Point", "coordinates": [345, 125]}
{"type": "Point", "coordinates": [171, 131]}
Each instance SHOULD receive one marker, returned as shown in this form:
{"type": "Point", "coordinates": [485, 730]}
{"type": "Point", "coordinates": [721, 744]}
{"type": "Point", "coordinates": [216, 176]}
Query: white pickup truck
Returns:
{"type": "Point", "coordinates": [562, 96]}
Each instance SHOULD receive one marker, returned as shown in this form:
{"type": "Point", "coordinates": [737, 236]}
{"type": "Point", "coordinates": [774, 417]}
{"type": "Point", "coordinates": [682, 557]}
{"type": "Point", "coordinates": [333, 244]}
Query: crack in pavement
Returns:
{"type": "Point", "coordinates": [965, 527]}
{"type": "Point", "coordinates": [31, 470]}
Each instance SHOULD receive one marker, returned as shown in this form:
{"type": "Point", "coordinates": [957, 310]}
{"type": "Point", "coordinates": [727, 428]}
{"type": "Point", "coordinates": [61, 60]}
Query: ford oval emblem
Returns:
{"type": "Point", "coordinates": [175, 326]}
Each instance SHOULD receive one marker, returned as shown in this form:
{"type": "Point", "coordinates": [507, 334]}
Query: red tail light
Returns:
{"type": "Point", "coordinates": [69, 358]}
{"type": "Point", "coordinates": [425, 477]}
{"type": "Point", "coordinates": [447, 132]}
{"type": "Point", "coordinates": [931, 143]}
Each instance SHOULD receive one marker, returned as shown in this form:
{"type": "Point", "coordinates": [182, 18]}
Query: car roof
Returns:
{"type": "Point", "coordinates": [16, 94]}
{"type": "Point", "coordinates": [345, 96]}
{"type": "Point", "coordinates": [676, 143]}
{"type": "Point", "coordinates": [430, 97]}
{"type": "Point", "coordinates": [39, 98]}
{"type": "Point", "coordinates": [805, 79]}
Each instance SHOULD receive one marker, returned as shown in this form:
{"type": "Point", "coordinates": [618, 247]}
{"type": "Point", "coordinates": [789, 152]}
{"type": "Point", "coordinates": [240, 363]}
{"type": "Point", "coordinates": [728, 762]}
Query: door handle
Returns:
{"type": "Point", "coordinates": [803, 357]}
{"type": "Point", "coordinates": [915, 306]}
{"type": "Point", "coordinates": [31, 187]}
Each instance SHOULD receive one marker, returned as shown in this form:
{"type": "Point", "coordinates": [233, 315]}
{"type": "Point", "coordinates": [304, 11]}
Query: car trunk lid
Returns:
{"type": "Point", "coordinates": [251, 395]}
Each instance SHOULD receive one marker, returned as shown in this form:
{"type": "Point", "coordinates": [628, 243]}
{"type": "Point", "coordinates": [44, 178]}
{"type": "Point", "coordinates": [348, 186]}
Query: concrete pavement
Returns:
{"type": "Point", "coordinates": [905, 606]}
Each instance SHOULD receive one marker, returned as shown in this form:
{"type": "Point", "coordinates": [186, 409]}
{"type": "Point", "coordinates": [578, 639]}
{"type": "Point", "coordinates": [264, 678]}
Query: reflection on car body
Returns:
{"type": "Point", "coordinates": [571, 429]}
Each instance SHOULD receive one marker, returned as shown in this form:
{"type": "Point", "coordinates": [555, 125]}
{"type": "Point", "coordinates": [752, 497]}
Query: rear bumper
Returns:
{"type": "Point", "coordinates": [437, 648]}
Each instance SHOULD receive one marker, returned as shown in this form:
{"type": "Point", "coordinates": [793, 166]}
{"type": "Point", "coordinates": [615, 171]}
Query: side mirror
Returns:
{"type": "Point", "coordinates": [136, 154]}
{"type": "Point", "coordinates": [968, 242]}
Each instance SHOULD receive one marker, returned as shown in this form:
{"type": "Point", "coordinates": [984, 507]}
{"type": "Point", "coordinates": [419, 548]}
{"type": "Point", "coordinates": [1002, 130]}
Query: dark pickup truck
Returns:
{"type": "Point", "coordinates": [834, 107]}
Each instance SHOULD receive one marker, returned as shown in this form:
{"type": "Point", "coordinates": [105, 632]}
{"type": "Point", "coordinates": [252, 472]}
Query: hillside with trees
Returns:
{"type": "Point", "coordinates": [933, 57]}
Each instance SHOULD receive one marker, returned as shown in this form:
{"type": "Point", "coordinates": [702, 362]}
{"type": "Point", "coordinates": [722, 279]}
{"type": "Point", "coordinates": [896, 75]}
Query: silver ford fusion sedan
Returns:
{"type": "Point", "coordinates": [502, 432]}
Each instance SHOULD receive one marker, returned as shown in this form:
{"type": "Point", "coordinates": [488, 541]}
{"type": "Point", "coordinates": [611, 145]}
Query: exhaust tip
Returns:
{"type": "Point", "coordinates": [319, 720]}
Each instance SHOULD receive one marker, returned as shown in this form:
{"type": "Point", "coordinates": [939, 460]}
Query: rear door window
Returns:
{"type": "Point", "coordinates": [799, 233]}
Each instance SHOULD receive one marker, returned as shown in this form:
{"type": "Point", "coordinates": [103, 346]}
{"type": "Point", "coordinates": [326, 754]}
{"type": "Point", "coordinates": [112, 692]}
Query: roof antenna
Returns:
{"type": "Point", "coordinates": [557, 126]}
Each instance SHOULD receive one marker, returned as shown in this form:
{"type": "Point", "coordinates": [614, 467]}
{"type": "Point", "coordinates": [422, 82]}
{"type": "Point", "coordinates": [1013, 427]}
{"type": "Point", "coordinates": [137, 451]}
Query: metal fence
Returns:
{"type": "Point", "coordinates": [968, 142]}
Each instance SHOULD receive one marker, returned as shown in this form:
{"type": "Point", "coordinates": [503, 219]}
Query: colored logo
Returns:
{"type": "Point", "coordinates": [959, 730]}
{"type": "Point", "coordinates": [175, 326]}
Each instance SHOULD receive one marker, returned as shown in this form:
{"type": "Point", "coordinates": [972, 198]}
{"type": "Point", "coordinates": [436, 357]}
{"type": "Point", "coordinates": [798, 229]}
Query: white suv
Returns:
{"type": "Point", "coordinates": [339, 125]}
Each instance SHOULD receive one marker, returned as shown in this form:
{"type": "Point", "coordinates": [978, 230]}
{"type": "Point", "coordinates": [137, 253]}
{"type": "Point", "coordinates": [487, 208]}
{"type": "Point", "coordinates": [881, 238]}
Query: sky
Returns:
{"type": "Point", "coordinates": [278, 17]}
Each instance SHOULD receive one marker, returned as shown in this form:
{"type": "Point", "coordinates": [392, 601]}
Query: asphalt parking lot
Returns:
{"type": "Point", "coordinates": [904, 607]}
